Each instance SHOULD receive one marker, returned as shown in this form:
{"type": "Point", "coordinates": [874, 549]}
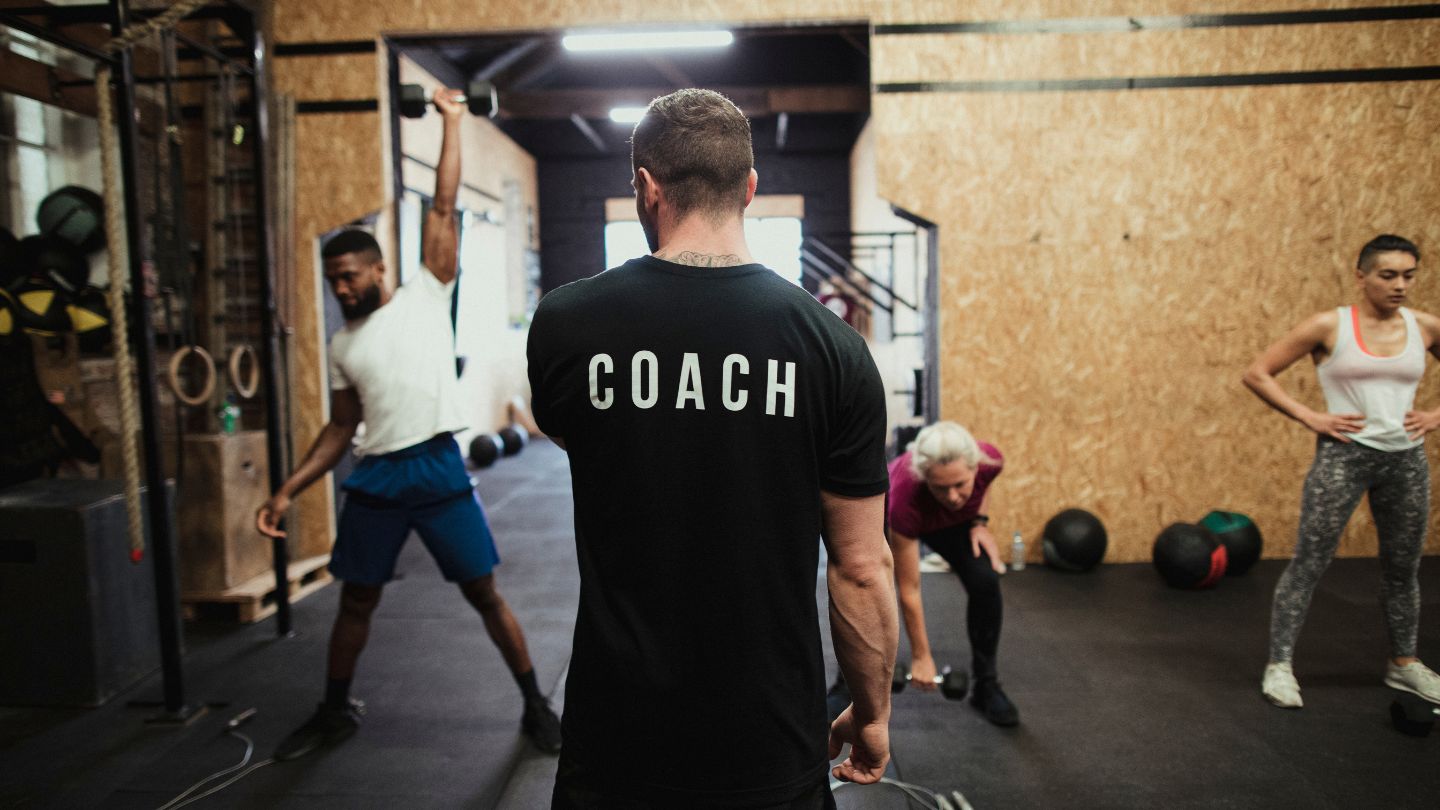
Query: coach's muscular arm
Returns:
{"type": "Point", "coordinates": [440, 238]}
{"type": "Point", "coordinates": [329, 447]}
{"type": "Point", "coordinates": [864, 628]}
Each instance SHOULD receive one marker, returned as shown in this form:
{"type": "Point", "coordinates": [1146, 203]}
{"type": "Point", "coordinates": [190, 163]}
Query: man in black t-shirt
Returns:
{"type": "Point", "coordinates": [719, 420]}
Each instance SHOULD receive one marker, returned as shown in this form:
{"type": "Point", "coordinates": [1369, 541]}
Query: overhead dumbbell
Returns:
{"type": "Point", "coordinates": [953, 685]}
{"type": "Point", "coordinates": [480, 98]}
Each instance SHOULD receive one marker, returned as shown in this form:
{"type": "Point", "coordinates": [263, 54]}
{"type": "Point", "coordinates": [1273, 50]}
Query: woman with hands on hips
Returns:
{"type": "Point", "coordinates": [1370, 440]}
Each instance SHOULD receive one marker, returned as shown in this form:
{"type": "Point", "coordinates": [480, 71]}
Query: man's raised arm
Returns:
{"type": "Point", "coordinates": [440, 239]}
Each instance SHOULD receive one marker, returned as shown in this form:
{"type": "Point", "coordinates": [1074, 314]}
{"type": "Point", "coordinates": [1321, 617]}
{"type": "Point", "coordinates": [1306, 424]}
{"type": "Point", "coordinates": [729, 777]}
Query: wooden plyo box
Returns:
{"type": "Point", "coordinates": [223, 480]}
{"type": "Point", "coordinates": [256, 599]}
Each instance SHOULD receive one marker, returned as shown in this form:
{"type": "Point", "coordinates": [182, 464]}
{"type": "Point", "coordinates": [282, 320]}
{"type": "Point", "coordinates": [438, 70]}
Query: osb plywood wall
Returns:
{"type": "Point", "coordinates": [1114, 260]}
{"type": "Point", "coordinates": [1107, 367]}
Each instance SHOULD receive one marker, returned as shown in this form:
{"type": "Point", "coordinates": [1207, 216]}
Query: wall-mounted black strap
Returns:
{"type": "Point", "coordinates": [344, 105]}
{"type": "Point", "coordinates": [1361, 75]}
{"type": "Point", "coordinates": [1101, 25]}
{"type": "Point", "coordinates": [325, 48]}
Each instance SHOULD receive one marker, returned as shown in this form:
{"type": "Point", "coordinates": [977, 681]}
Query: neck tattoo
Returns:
{"type": "Point", "coordinates": [693, 259]}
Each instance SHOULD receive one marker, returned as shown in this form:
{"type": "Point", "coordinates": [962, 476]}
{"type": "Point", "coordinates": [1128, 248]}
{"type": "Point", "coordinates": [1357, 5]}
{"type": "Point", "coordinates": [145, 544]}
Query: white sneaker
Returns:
{"type": "Point", "coordinates": [1415, 678]}
{"type": "Point", "coordinates": [1280, 686]}
{"type": "Point", "coordinates": [933, 563]}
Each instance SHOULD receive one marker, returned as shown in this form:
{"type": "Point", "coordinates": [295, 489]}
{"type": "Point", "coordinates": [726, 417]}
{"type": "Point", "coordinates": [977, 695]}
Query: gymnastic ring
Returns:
{"type": "Point", "coordinates": [207, 389]}
{"type": "Point", "coordinates": [251, 384]}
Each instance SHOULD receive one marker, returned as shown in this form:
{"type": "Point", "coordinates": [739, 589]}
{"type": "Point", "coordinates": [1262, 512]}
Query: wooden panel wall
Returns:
{"type": "Point", "coordinates": [1110, 260]}
{"type": "Point", "coordinates": [1113, 260]}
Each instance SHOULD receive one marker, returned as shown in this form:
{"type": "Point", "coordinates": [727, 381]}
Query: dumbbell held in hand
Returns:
{"type": "Point", "coordinates": [953, 685]}
{"type": "Point", "coordinates": [479, 97]}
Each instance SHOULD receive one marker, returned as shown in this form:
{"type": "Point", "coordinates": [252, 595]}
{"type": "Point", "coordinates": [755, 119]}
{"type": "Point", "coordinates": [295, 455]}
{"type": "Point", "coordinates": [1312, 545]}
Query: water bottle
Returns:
{"type": "Point", "coordinates": [229, 418]}
{"type": "Point", "coordinates": [1017, 553]}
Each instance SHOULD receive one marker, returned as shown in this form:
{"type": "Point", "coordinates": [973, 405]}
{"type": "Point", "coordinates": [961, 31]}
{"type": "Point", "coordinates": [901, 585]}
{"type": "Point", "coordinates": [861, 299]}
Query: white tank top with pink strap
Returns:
{"type": "Point", "coordinates": [1382, 388]}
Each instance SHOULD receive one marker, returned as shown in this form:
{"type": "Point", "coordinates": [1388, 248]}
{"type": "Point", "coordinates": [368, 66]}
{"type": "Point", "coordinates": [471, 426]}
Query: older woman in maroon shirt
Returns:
{"type": "Point", "coordinates": [938, 490]}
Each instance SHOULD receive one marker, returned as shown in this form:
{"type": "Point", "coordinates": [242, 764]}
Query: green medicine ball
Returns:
{"type": "Point", "coordinates": [1240, 536]}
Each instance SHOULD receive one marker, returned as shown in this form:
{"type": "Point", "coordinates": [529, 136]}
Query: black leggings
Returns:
{"type": "Point", "coordinates": [982, 584]}
{"type": "Point", "coordinates": [1398, 485]}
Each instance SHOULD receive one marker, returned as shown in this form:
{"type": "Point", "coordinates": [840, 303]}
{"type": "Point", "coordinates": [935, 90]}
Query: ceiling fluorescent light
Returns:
{"type": "Point", "coordinates": [627, 115]}
{"type": "Point", "coordinates": [646, 40]}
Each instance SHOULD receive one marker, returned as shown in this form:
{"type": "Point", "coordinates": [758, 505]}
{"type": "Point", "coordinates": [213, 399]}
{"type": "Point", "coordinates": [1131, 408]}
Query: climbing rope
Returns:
{"type": "Point", "coordinates": [115, 238]}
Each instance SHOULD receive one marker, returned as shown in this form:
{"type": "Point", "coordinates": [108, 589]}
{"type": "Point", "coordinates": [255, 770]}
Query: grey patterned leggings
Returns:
{"type": "Point", "coordinates": [1399, 487]}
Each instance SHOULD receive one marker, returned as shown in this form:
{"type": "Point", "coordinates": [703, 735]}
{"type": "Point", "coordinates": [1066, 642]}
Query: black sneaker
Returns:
{"type": "Point", "coordinates": [990, 699]}
{"type": "Point", "coordinates": [540, 724]}
{"type": "Point", "coordinates": [329, 726]}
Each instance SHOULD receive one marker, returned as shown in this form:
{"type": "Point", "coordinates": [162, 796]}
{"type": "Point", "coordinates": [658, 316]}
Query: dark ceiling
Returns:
{"type": "Point", "coordinates": [805, 88]}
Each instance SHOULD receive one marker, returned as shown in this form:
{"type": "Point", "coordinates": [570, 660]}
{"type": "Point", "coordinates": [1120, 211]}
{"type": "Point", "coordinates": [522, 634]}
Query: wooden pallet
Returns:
{"type": "Point", "coordinates": [254, 599]}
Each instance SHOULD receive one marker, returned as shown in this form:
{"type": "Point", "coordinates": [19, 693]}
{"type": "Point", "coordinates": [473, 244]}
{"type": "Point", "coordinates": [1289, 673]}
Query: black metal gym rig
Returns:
{"type": "Point", "coordinates": [243, 18]}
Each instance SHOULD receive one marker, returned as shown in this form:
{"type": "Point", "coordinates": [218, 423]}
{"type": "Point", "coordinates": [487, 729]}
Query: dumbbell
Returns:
{"type": "Point", "coordinates": [479, 97]}
{"type": "Point", "coordinates": [1413, 715]}
{"type": "Point", "coordinates": [953, 685]}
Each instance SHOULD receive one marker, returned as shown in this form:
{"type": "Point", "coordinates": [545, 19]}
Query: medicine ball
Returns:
{"type": "Point", "coordinates": [89, 313]}
{"type": "Point", "coordinates": [55, 262]}
{"type": "Point", "coordinates": [485, 449]}
{"type": "Point", "coordinates": [75, 215]}
{"type": "Point", "coordinates": [1240, 536]}
{"type": "Point", "coordinates": [1189, 556]}
{"type": "Point", "coordinates": [40, 309]}
{"type": "Point", "coordinates": [1074, 540]}
{"type": "Point", "coordinates": [513, 439]}
{"type": "Point", "coordinates": [9, 318]}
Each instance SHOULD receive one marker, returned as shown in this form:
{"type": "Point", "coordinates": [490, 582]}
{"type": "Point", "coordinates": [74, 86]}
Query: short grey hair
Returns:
{"type": "Point", "coordinates": [942, 443]}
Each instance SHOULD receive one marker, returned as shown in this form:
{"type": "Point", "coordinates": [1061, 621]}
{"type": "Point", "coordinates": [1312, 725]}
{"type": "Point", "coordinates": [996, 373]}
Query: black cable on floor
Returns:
{"type": "Point", "coordinates": [231, 729]}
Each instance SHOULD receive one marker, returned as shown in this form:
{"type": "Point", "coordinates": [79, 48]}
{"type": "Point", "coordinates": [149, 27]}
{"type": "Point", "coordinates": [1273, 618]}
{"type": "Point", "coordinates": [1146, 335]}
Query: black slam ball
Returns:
{"type": "Point", "coordinates": [1074, 540]}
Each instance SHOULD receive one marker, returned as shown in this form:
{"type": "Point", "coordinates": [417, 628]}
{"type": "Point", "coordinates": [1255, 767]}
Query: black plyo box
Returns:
{"type": "Point", "coordinates": [77, 617]}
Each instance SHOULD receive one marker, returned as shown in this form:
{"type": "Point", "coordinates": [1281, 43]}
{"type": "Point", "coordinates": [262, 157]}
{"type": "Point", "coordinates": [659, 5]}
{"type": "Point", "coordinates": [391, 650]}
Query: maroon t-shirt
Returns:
{"type": "Point", "coordinates": [914, 512]}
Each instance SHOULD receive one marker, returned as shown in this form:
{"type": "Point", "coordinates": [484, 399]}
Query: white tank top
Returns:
{"type": "Point", "coordinates": [1382, 388]}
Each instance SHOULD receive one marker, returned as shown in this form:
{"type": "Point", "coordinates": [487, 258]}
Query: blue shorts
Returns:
{"type": "Point", "coordinates": [423, 488]}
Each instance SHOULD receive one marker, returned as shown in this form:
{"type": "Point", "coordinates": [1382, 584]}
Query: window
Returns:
{"type": "Point", "coordinates": [41, 144]}
{"type": "Point", "coordinates": [773, 241]}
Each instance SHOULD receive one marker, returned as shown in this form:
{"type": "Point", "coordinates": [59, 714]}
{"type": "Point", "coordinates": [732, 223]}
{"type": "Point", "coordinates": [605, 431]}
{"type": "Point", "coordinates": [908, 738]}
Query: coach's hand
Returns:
{"type": "Point", "coordinates": [869, 749]}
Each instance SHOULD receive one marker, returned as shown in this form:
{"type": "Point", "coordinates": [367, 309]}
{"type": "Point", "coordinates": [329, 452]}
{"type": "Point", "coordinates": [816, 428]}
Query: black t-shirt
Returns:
{"type": "Point", "coordinates": [704, 410]}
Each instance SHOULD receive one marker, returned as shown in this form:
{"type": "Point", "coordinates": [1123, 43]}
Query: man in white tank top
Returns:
{"type": "Point", "coordinates": [1370, 440]}
{"type": "Point", "coordinates": [393, 366]}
